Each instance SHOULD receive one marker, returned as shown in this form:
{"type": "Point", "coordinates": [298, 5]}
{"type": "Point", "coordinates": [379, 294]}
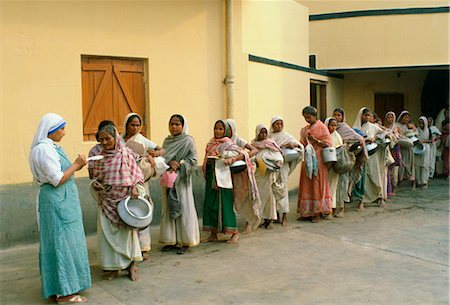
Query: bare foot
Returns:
{"type": "Point", "coordinates": [284, 221]}
{"type": "Point", "coordinates": [340, 214]}
{"type": "Point", "coordinates": [145, 255]}
{"type": "Point", "coordinates": [234, 239]}
{"type": "Point", "coordinates": [425, 186]}
{"type": "Point", "coordinates": [383, 204]}
{"type": "Point", "coordinates": [113, 274]}
{"type": "Point", "coordinates": [329, 217]}
{"type": "Point", "coordinates": [360, 207]}
{"type": "Point", "coordinates": [248, 228]}
{"type": "Point", "coordinates": [73, 298]}
{"type": "Point", "coordinates": [210, 238]}
{"type": "Point", "coordinates": [315, 219]}
{"type": "Point", "coordinates": [413, 187]}
{"type": "Point", "coordinates": [132, 272]}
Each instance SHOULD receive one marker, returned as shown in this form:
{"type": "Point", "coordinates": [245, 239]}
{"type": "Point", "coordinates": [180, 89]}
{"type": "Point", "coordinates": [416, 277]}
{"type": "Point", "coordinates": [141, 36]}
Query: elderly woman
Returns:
{"type": "Point", "coordinates": [314, 198]}
{"type": "Point", "coordinates": [269, 154]}
{"type": "Point", "coordinates": [179, 222]}
{"type": "Point", "coordinates": [117, 176]}
{"type": "Point", "coordinates": [375, 167]}
{"type": "Point", "coordinates": [146, 150]}
{"type": "Point", "coordinates": [406, 170]}
{"type": "Point", "coordinates": [349, 180]}
{"type": "Point", "coordinates": [222, 198]}
{"type": "Point", "coordinates": [284, 140]}
{"type": "Point", "coordinates": [63, 256]}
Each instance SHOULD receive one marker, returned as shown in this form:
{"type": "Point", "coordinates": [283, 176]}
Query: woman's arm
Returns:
{"type": "Point", "coordinates": [252, 149]}
{"type": "Point", "coordinates": [229, 161]}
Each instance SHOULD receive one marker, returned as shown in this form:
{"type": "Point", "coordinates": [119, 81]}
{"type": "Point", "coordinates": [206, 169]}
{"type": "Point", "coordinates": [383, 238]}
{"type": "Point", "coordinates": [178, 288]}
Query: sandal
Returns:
{"type": "Point", "coordinates": [74, 299]}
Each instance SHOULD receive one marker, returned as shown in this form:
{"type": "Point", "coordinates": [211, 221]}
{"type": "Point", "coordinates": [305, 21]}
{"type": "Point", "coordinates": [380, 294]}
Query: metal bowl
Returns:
{"type": "Point", "coordinates": [371, 148]}
{"type": "Point", "coordinates": [238, 166]}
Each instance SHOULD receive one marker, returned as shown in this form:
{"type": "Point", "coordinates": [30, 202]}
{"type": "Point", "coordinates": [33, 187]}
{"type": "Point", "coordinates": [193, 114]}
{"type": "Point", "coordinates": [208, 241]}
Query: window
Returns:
{"type": "Point", "coordinates": [318, 97]}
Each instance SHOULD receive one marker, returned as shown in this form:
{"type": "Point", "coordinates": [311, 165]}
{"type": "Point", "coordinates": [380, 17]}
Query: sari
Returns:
{"type": "Point", "coordinates": [406, 170]}
{"type": "Point", "coordinates": [148, 170]}
{"type": "Point", "coordinates": [118, 172]}
{"type": "Point", "coordinates": [333, 177]}
{"type": "Point", "coordinates": [375, 167]}
{"type": "Point", "coordinates": [435, 134]}
{"type": "Point", "coordinates": [314, 196]}
{"type": "Point", "coordinates": [184, 229]}
{"type": "Point", "coordinates": [220, 203]}
{"type": "Point", "coordinates": [394, 134]}
{"type": "Point", "coordinates": [422, 161]}
{"type": "Point", "coordinates": [266, 179]}
{"type": "Point", "coordinates": [282, 139]}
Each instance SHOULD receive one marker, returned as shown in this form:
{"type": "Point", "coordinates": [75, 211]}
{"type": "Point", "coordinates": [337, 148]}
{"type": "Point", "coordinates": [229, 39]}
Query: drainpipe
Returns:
{"type": "Point", "coordinates": [229, 78]}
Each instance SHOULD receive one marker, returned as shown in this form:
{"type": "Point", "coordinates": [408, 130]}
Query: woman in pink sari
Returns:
{"type": "Point", "coordinates": [314, 197]}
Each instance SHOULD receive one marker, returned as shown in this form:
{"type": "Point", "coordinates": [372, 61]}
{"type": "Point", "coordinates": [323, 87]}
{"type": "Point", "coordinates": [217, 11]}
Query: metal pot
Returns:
{"type": "Point", "coordinates": [238, 166]}
{"type": "Point", "coordinates": [329, 154]}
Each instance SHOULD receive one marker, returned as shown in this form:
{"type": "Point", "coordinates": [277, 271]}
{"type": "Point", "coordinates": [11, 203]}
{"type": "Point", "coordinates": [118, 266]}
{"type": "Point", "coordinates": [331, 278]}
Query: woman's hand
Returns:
{"type": "Point", "coordinates": [292, 145]}
{"type": "Point", "coordinates": [229, 161]}
{"type": "Point", "coordinates": [153, 153]}
{"type": "Point", "coordinates": [369, 140]}
{"type": "Point", "coordinates": [97, 185]}
{"type": "Point", "coordinates": [80, 161]}
{"type": "Point", "coordinates": [134, 193]}
{"type": "Point", "coordinates": [174, 165]}
{"type": "Point", "coordinates": [151, 160]}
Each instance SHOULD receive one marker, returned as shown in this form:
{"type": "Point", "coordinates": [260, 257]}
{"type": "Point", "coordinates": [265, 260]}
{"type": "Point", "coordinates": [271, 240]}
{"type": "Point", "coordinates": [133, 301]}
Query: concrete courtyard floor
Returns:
{"type": "Point", "coordinates": [395, 256]}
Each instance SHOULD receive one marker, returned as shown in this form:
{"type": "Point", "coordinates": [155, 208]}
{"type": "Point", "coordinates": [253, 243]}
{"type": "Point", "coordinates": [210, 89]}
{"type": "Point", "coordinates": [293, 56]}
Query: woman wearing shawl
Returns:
{"type": "Point", "coordinates": [220, 202]}
{"type": "Point", "coordinates": [375, 167]}
{"type": "Point", "coordinates": [269, 153]}
{"type": "Point", "coordinates": [353, 181]}
{"type": "Point", "coordinates": [94, 151]}
{"type": "Point", "coordinates": [314, 199]}
{"type": "Point", "coordinates": [145, 148]}
{"type": "Point", "coordinates": [284, 140]}
{"type": "Point", "coordinates": [333, 177]}
{"type": "Point", "coordinates": [63, 256]}
{"type": "Point", "coordinates": [179, 222]}
{"type": "Point", "coordinates": [406, 170]}
{"type": "Point", "coordinates": [422, 161]}
{"type": "Point", "coordinates": [394, 133]}
{"type": "Point", "coordinates": [239, 141]}
{"type": "Point", "coordinates": [116, 177]}
{"type": "Point", "coordinates": [445, 145]}
{"type": "Point", "coordinates": [435, 135]}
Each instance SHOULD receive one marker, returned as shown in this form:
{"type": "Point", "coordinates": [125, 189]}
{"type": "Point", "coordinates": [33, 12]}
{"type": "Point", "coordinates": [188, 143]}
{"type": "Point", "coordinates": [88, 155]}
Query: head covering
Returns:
{"type": "Point", "coordinates": [358, 124]}
{"type": "Point", "coordinates": [423, 134]}
{"type": "Point", "coordinates": [183, 121]}
{"type": "Point", "coordinates": [228, 130]}
{"type": "Point", "coordinates": [234, 136]}
{"type": "Point", "coordinates": [393, 123]}
{"type": "Point", "coordinates": [328, 119]}
{"type": "Point", "coordinates": [50, 123]}
{"type": "Point", "coordinates": [267, 143]}
{"type": "Point", "coordinates": [124, 134]}
{"type": "Point", "coordinates": [258, 129]}
{"type": "Point", "coordinates": [180, 147]}
{"type": "Point", "coordinates": [273, 120]}
{"type": "Point", "coordinates": [402, 114]}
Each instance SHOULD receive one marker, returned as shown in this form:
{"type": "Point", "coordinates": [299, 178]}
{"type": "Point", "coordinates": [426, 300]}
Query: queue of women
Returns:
{"type": "Point", "coordinates": [245, 178]}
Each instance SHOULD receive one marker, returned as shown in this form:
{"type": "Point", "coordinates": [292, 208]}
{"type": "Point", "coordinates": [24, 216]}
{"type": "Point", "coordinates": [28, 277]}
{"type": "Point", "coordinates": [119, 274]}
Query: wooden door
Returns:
{"type": "Point", "coordinates": [111, 89]}
{"type": "Point", "coordinates": [318, 97]}
{"type": "Point", "coordinates": [385, 102]}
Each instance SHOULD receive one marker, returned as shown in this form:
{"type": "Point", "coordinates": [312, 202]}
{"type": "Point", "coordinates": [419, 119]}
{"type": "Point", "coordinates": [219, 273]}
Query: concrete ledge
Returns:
{"type": "Point", "coordinates": [18, 223]}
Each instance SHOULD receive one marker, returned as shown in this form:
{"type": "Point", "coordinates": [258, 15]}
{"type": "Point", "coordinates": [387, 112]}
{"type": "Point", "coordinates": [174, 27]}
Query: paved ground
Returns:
{"type": "Point", "coordinates": [394, 256]}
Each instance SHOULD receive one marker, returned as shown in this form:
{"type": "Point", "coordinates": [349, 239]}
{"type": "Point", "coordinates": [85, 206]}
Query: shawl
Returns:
{"type": "Point", "coordinates": [181, 147]}
{"type": "Point", "coordinates": [423, 134]}
{"type": "Point", "coordinates": [234, 136]}
{"type": "Point", "coordinates": [267, 143]}
{"type": "Point", "coordinates": [118, 167]}
{"type": "Point", "coordinates": [371, 129]}
{"type": "Point", "coordinates": [282, 138]}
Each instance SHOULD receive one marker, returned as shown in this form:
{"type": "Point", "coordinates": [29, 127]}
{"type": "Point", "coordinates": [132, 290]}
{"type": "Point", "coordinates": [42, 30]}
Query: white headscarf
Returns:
{"type": "Point", "coordinates": [50, 123]}
{"type": "Point", "coordinates": [402, 114]}
{"type": "Point", "coordinates": [358, 124]}
{"type": "Point", "coordinates": [273, 120]}
{"type": "Point", "coordinates": [258, 129]}
{"type": "Point", "coordinates": [423, 134]}
{"type": "Point", "coordinates": [124, 133]}
{"type": "Point", "coordinates": [327, 120]}
{"type": "Point", "coordinates": [234, 136]}
{"type": "Point", "coordinates": [392, 127]}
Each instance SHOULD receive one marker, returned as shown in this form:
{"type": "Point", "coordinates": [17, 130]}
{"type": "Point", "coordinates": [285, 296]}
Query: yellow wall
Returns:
{"type": "Point", "coordinates": [42, 43]}
{"type": "Point", "coordinates": [360, 89]}
{"type": "Point", "coordinates": [378, 41]}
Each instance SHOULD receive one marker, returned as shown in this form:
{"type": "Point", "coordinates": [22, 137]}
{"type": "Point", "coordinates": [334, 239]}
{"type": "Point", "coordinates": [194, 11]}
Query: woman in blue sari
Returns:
{"type": "Point", "coordinates": [63, 256]}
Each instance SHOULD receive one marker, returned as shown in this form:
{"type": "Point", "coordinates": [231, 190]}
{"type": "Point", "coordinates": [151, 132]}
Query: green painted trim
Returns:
{"type": "Point", "coordinates": [384, 12]}
{"type": "Point", "coordinates": [391, 68]}
{"type": "Point", "coordinates": [286, 65]}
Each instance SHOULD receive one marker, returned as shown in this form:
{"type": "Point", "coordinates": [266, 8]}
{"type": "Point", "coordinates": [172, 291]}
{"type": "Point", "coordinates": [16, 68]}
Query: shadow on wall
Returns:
{"type": "Point", "coordinates": [18, 209]}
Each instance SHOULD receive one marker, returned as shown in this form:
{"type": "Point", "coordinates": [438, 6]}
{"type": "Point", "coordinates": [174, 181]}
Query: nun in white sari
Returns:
{"type": "Point", "coordinates": [375, 167]}
{"type": "Point", "coordinates": [179, 221]}
{"type": "Point", "coordinates": [422, 160]}
{"type": "Point", "coordinates": [284, 140]}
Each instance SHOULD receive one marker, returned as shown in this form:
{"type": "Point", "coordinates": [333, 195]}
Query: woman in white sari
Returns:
{"type": "Point", "coordinates": [375, 167]}
{"type": "Point", "coordinates": [144, 147]}
{"type": "Point", "coordinates": [333, 177]}
{"type": "Point", "coordinates": [269, 154]}
{"type": "Point", "coordinates": [422, 160]}
{"type": "Point", "coordinates": [239, 141]}
{"type": "Point", "coordinates": [179, 221]}
{"type": "Point", "coordinates": [435, 135]}
{"type": "Point", "coordinates": [284, 140]}
{"type": "Point", "coordinates": [406, 170]}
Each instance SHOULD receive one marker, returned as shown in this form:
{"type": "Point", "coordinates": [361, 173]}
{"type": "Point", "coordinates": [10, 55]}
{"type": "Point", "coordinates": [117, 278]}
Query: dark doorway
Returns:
{"type": "Point", "coordinates": [435, 92]}
{"type": "Point", "coordinates": [318, 97]}
{"type": "Point", "coordinates": [385, 102]}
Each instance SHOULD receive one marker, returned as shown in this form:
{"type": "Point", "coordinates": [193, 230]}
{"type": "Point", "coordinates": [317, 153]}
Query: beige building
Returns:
{"type": "Point", "coordinates": [205, 59]}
